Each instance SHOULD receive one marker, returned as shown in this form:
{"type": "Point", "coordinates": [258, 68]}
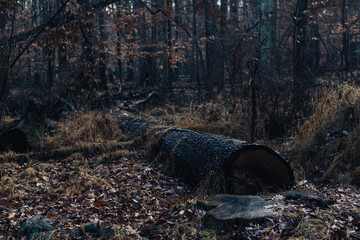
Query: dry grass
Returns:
{"type": "Point", "coordinates": [327, 143]}
{"type": "Point", "coordinates": [82, 129]}
{"type": "Point", "coordinates": [312, 229]}
{"type": "Point", "coordinates": [220, 116]}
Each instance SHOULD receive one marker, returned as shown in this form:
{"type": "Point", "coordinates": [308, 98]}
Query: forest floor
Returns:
{"type": "Point", "coordinates": [132, 198]}
{"type": "Point", "coordinates": [126, 193]}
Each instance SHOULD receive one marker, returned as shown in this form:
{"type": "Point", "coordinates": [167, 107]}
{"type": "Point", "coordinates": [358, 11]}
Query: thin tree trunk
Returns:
{"type": "Point", "coordinates": [267, 43]}
{"type": "Point", "coordinates": [170, 73]}
{"type": "Point", "coordinates": [300, 70]}
{"type": "Point", "coordinates": [195, 55]}
{"type": "Point", "coordinates": [313, 58]}
{"type": "Point", "coordinates": [222, 46]}
{"type": "Point", "coordinates": [102, 52]}
{"type": "Point", "coordinates": [62, 63]}
{"type": "Point", "coordinates": [345, 42]}
{"type": "Point", "coordinates": [208, 83]}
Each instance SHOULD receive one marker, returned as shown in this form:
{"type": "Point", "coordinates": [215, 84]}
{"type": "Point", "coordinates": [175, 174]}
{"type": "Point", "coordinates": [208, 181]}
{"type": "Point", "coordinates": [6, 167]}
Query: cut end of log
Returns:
{"type": "Point", "coordinates": [262, 165]}
{"type": "Point", "coordinates": [14, 140]}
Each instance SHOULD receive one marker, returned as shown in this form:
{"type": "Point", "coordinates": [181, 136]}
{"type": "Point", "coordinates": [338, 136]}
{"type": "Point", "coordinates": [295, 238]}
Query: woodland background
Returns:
{"type": "Point", "coordinates": [280, 73]}
{"type": "Point", "coordinates": [191, 50]}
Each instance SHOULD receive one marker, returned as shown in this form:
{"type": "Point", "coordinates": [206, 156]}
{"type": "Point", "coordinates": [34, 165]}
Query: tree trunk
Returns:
{"type": "Point", "coordinates": [214, 60]}
{"type": "Point", "coordinates": [62, 63]}
{"type": "Point", "coordinates": [119, 60]}
{"type": "Point", "coordinates": [313, 56]}
{"type": "Point", "coordinates": [170, 74]}
{"type": "Point", "coordinates": [209, 33]}
{"type": "Point", "coordinates": [102, 52]}
{"type": "Point", "coordinates": [209, 158]}
{"type": "Point", "coordinates": [195, 54]}
{"type": "Point", "coordinates": [213, 163]}
{"type": "Point", "coordinates": [267, 40]}
{"type": "Point", "coordinates": [4, 71]}
{"type": "Point", "coordinates": [234, 5]}
{"type": "Point", "coordinates": [300, 76]}
{"type": "Point", "coordinates": [345, 41]}
{"type": "Point", "coordinates": [221, 47]}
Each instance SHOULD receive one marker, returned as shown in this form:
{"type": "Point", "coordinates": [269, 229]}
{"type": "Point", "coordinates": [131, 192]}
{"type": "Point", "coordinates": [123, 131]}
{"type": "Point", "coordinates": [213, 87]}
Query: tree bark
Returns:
{"type": "Point", "coordinates": [313, 56]}
{"type": "Point", "coordinates": [170, 74]}
{"type": "Point", "coordinates": [207, 159]}
{"type": "Point", "coordinates": [209, 33]}
{"type": "Point", "coordinates": [345, 41]}
{"type": "Point", "coordinates": [267, 40]}
{"type": "Point", "coordinates": [300, 76]}
{"type": "Point", "coordinates": [102, 52]}
{"type": "Point", "coordinates": [221, 47]}
{"type": "Point", "coordinates": [4, 65]}
{"type": "Point", "coordinates": [234, 5]}
{"type": "Point", "coordinates": [195, 53]}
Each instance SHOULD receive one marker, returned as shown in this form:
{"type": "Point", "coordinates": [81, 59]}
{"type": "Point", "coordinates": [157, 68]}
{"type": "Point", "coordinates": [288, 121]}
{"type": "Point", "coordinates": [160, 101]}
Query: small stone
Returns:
{"type": "Point", "coordinates": [107, 232]}
{"type": "Point", "coordinates": [35, 228]}
{"type": "Point", "coordinates": [92, 227]}
{"type": "Point", "coordinates": [35, 224]}
{"type": "Point", "coordinates": [242, 207]}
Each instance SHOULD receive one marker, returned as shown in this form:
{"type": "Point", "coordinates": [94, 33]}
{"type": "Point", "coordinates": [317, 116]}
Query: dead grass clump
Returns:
{"type": "Point", "coordinates": [83, 128]}
{"type": "Point", "coordinates": [186, 231]}
{"type": "Point", "coordinates": [220, 116]}
{"type": "Point", "coordinates": [11, 189]}
{"type": "Point", "coordinates": [75, 157]}
{"type": "Point", "coordinates": [44, 167]}
{"type": "Point", "coordinates": [327, 144]}
{"type": "Point", "coordinates": [29, 174]}
{"type": "Point", "coordinates": [8, 165]}
{"type": "Point", "coordinates": [80, 182]}
{"type": "Point", "coordinates": [6, 121]}
{"type": "Point", "coordinates": [312, 229]}
{"type": "Point", "coordinates": [95, 183]}
{"type": "Point", "coordinates": [7, 186]}
{"type": "Point", "coordinates": [113, 156]}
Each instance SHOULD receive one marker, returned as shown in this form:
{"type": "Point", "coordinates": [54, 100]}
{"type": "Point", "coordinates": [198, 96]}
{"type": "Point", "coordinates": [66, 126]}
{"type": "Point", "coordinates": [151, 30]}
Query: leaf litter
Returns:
{"type": "Point", "coordinates": [135, 199]}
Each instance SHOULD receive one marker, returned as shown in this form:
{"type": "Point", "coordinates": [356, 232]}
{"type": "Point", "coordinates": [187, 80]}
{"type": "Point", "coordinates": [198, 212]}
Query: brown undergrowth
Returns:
{"type": "Point", "coordinates": [82, 129]}
{"type": "Point", "coordinates": [224, 116]}
{"type": "Point", "coordinates": [116, 187]}
{"type": "Point", "coordinates": [326, 145]}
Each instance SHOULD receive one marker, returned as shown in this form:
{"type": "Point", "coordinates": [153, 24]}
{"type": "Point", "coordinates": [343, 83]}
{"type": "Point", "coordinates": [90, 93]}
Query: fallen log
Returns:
{"type": "Point", "coordinates": [214, 163]}
{"type": "Point", "coordinates": [222, 164]}
{"type": "Point", "coordinates": [22, 134]}
{"type": "Point", "coordinates": [14, 140]}
{"type": "Point", "coordinates": [152, 98]}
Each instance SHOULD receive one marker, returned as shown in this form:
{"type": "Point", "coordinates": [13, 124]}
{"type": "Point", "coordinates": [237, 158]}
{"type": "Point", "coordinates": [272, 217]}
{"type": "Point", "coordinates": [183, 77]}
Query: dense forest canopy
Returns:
{"type": "Point", "coordinates": [78, 49]}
